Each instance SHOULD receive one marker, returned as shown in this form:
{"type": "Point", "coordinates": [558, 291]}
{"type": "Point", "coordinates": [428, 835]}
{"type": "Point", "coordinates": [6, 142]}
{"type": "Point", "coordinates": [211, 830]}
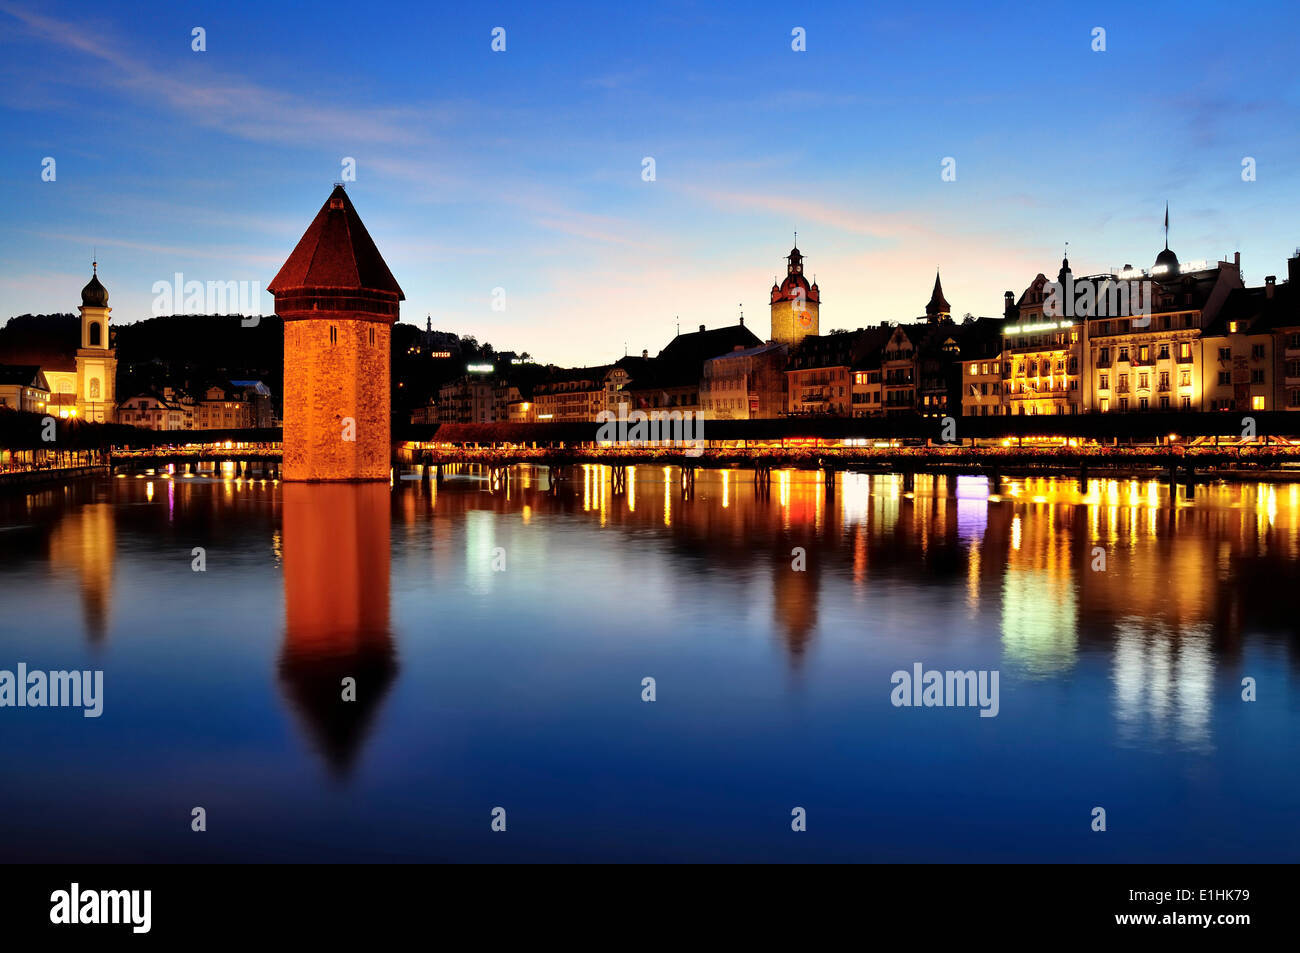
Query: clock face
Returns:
{"type": "Point", "coordinates": [804, 318]}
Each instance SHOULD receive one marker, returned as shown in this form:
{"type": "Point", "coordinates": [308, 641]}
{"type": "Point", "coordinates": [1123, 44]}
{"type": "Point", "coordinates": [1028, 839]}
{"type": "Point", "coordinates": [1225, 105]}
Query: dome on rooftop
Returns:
{"type": "Point", "coordinates": [94, 295]}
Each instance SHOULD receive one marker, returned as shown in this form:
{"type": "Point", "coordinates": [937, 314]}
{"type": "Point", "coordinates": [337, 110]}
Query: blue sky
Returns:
{"type": "Point", "coordinates": [522, 169]}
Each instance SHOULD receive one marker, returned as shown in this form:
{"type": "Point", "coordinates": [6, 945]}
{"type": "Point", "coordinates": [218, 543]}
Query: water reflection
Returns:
{"type": "Point", "coordinates": [336, 552]}
{"type": "Point", "coordinates": [84, 541]}
{"type": "Point", "coordinates": [1010, 566]}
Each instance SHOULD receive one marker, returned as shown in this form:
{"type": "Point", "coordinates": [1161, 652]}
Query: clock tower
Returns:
{"type": "Point", "coordinates": [794, 304]}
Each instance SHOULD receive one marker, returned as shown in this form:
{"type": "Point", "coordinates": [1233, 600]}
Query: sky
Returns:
{"type": "Point", "coordinates": [523, 170]}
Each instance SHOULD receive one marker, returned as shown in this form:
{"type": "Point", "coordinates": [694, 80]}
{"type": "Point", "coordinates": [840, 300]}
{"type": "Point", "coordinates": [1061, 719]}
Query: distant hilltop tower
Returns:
{"type": "Point", "coordinates": [794, 303]}
{"type": "Point", "coordinates": [339, 303]}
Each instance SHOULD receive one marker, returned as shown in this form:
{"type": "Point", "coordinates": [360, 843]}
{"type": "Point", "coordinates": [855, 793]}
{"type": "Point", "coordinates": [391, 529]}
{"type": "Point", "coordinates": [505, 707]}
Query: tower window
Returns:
{"type": "Point", "coordinates": [372, 337]}
{"type": "Point", "coordinates": [334, 334]}
{"type": "Point", "coordinates": [94, 334]}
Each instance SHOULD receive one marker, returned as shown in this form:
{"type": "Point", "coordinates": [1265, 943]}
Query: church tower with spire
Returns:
{"type": "Point", "coordinates": [96, 359]}
{"type": "Point", "coordinates": [938, 310]}
{"type": "Point", "coordinates": [339, 303]}
{"type": "Point", "coordinates": [795, 303]}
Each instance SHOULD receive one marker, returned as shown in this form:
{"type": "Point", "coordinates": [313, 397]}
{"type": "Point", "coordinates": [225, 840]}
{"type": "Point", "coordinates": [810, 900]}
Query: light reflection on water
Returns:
{"type": "Point", "coordinates": [497, 638]}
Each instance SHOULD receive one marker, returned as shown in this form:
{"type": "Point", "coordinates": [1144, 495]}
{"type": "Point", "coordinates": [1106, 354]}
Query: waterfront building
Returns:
{"type": "Point", "coordinates": [747, 384]}
{"type": "Point", "coordinates": [1238, 356]}
{"type": "Point", "coordinates": [1285, 320]}
{"type": "Point", "coordinates": [938, 371]}
{"type": "Point", "coordinates": [978, 387]}
{"type": "Point", "coordinates": [222, 408]}
{"type": "Point", "coordinates": [819, 376]}
{"type": "Point", "coordinates": [867, 373]}
{"type": "Point", "coordinates": [1158, 361]}
{"type": "Point", "coordinates": [898, 369]}
{"type": "Point", "coordinates": [339, 303]}
{"type": "Point", "coordinates": [156, 411]}
{"type": "Point", "coordinates": [24, 387]}
{"type": "Point", "coordinates": [261, 407]}
{"type": "Point", "coordinates": [571, 395]}
{"type": "Point", "coordinates": [427, 414]}
{"type": "Point", "coordinates": [795, 304]}
{"type": "Point", "coordinates": [475, 399]}
{"type": "Point", "coordinates": [1041, 357]}
{"type": "Point", "coordinates": [671, 380]}
{"type": "Point", "coordinates": [868, 387]}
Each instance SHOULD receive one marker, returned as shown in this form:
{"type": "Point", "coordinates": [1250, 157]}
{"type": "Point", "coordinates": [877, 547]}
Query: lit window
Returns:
{"type": "Point", "coordinates": [1257, 402]}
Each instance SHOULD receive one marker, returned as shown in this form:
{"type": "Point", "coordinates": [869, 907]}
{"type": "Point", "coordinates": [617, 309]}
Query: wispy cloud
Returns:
{"type": "Point", "coordinates": [229, 103]}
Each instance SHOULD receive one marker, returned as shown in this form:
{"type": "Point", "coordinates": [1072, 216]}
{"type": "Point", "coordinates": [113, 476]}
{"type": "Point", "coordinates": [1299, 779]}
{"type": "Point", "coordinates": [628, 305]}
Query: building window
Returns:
{"type": "Point", "coordinates": [372, 337]}
{"type": "Point", "coordinates": [1104, 383]}
{"type": "Point", "coordinates": [1257, 402]}
{"type": "Point", "coordinates": [334, 335]}
{"type": "Point", "coordinates": [1144, 353]}
{"type": "Point", "coordinates": [1123, 404]}
{"type": "Point", "coordinates": [1257, 377]}
{"type": "Point", "coordinates": [1144, 381]}
{"type": "Point", "coordinates": [1225, 378]}
{"type": "Point", "coordinates": [1105, 405]}
{"type": "Point", "coordinates": [1187, 403]}
{"type": "Point", "coordinates": [1257, 352]}
{"type": "Point", "coordinates": [1164, 352]}
{"type": "Point", "coordinates": [1225, 353]}
{"type": "Point", "coordinates": [1143, 403]}
{"type": "Point", "coordinates": [1123, 355]}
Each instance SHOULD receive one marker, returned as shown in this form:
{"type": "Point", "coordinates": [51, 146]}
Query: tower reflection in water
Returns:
{"type": "Point", "coordinates": [336, 558]}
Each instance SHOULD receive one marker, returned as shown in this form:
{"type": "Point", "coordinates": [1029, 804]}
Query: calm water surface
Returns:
{"type": "Point", "coordinates": [521, 687]}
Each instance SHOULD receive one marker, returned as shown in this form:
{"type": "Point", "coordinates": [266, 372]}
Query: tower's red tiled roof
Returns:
{"type": "Point", "coordinates": [336, 251]}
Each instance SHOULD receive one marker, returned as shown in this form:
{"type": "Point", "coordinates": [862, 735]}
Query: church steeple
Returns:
{"type": "Point", "coordinates": [938, 308]}
{"type": "Point", "coordinates": [96, 358]}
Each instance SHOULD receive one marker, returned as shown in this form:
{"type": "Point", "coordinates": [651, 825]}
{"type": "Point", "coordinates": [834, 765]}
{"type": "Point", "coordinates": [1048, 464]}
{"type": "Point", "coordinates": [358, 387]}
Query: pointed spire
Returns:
{"type": "Point", "coordinates": [1166, 224]}
{"type": "Point", "coordinates": [336, 252]}
{"type": "Point", "coordinates": [938, 305]}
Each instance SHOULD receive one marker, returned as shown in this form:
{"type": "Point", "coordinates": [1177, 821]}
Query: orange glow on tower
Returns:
{"type": "Point", "coordinates": [339, 303]}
